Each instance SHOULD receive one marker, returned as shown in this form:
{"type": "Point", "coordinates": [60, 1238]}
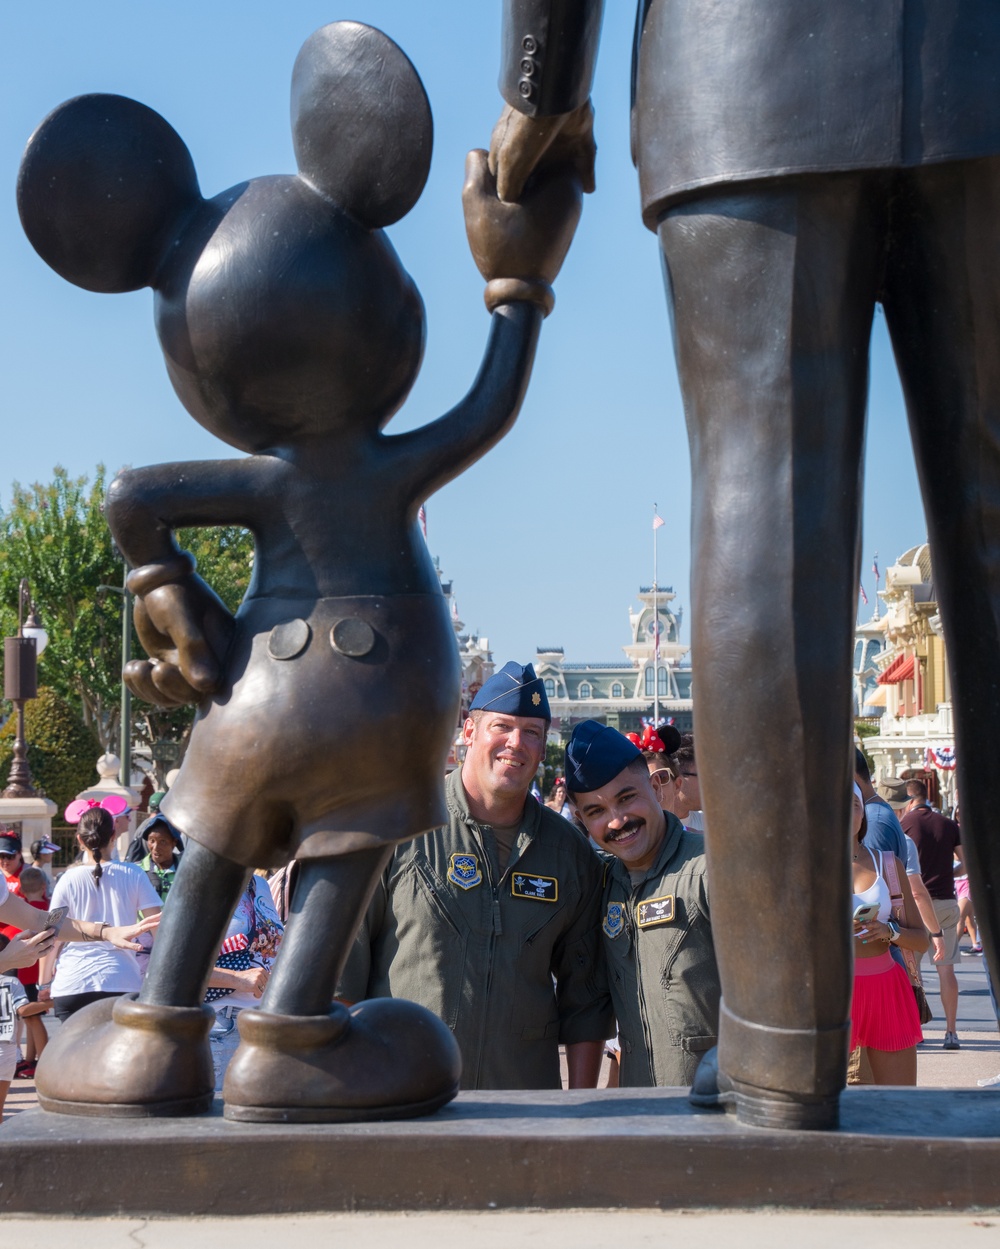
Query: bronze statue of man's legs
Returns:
{"type": "Point", "coordinates": [773, 289]}
{"type": "Point", "coordinates": [942, 302]}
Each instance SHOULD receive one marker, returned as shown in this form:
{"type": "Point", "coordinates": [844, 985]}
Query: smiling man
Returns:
{"type": "Point", "coordinates": [493, 921]}
{"type": "Point", "coordinates": [655, 917]}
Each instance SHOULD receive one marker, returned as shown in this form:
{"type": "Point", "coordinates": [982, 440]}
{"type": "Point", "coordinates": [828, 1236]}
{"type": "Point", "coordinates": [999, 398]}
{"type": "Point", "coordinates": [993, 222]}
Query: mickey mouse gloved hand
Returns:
{"type": "Point", "coordinates": [184, 627]}
{"type": "Point", "coordinates": [520, 247]}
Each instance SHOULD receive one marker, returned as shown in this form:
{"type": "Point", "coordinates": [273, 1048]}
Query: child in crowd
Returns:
{"type": "Point", "coordinates": [14, 1005]}
{"type": "Point", "coordinates": [35, 890]}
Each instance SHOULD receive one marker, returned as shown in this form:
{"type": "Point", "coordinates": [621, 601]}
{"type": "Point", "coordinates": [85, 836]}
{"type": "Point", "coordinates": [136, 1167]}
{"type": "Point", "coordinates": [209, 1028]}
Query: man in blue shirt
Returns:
{"type": "Point", "coordinates": [884, 830]}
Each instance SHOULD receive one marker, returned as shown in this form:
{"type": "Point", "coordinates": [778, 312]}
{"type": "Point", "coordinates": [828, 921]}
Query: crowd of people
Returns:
{"type": "Point", "coordinates": [580, 921]}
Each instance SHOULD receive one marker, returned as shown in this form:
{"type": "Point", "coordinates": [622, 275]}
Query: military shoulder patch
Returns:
{"type": "Point", "coordinates": [614, 921]}
{"type": "Point", "coordinates": [464, 871]}
{"type": "Point", "coordinates": [655, 911]}
{"type": "Point", "coordinates": [541, 888]}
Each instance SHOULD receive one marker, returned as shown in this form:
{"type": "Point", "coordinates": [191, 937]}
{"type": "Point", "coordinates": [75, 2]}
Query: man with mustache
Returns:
{"type": "Point", "coordinates": [492, 922]}
{"type": "Point", "coordinates": [655, 916]}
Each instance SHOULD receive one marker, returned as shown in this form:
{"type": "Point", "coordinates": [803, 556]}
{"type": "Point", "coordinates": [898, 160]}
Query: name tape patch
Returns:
{"type": "Point", "coordinates": [655, 911]}
{"type": "Point", "coordinates": [541, 888]}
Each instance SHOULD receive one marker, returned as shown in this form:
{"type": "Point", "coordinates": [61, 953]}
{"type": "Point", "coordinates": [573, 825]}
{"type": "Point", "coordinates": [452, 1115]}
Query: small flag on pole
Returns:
{"type": "Point", "coordinates": [864, 596]}
{"type": "Point", "coordinates": [875, 567]}
{"type": "Point", "coordinates": [658, 521]}
{"type": "Point", "coordinates": [422, 517]}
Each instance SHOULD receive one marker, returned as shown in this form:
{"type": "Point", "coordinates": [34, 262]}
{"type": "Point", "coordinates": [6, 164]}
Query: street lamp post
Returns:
{"type": "Point", "coordinates": [20, 683]}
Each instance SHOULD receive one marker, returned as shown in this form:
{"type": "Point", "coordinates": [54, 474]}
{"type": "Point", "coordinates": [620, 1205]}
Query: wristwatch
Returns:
{"type": "Point", "coordinates": [935, 935]}
{"type": "Point", "coordinates": [893, 930]}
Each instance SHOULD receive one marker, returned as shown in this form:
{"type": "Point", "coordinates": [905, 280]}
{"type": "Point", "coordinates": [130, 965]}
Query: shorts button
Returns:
{"type": "Point", "coordinates": [352, 637]}
{"type": "Point", "coordinates": [288, 639]}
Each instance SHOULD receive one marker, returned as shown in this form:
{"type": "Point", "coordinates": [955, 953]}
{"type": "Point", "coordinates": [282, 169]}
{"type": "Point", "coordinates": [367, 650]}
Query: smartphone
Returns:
{"type": "Point", "coordinates": [866, 912]}
{"type": "Point", "coordinates": [55, 918]}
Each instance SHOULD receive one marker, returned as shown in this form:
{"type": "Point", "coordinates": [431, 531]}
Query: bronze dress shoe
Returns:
{"type": "Point", "coordinates": [761, 1108]}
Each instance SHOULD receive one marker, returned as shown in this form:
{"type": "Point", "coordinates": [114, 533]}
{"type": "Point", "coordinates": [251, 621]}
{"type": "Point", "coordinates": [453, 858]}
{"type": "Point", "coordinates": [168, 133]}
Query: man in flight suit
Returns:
{"type": "Point", "coordinates": [655, 917]}
{"type": "Point", "coordinates": [493, 921]}
{"type": "Point", "coordinates": [802, 161]}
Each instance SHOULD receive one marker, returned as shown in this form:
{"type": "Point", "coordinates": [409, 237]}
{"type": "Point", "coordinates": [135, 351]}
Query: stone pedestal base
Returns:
{"type": "Point", "coordinates": [897, 1149]}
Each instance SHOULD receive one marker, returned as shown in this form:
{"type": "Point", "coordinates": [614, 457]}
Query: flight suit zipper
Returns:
{"type": "Point", "coordinates": [634, 931]}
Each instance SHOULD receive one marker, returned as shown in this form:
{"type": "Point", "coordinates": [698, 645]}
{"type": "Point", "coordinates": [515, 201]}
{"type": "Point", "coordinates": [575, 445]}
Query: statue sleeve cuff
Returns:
{"type": "Point", "coordinates": [516, 290]}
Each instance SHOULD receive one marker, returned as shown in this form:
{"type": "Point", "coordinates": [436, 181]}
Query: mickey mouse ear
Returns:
{"type": "Point", "coordinates": [103, 185]}
{"type": "Point", "coordinates": [361, 122]}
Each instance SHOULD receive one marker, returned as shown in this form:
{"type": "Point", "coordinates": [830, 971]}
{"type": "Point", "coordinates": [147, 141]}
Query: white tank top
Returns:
{"type": "Point", "coordinates": [878, 892]}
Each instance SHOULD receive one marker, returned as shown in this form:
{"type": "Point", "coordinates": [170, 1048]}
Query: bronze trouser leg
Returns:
{"type": "Point", "coordinates": [195, 918]}
{"type": "Point", "coordinates": [943, 309]}
{"type": "Point", "coordinates": [772, 295]}
{"type": "Point", "coordinates": [328, 903]}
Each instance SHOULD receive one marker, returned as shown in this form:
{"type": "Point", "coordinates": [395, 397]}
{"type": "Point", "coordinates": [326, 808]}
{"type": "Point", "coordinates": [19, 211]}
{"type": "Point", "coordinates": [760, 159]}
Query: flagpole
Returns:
{"type": "Point", "coordinates": [875, 571]}
{"type": "Point", "coordinates": [656, 635]}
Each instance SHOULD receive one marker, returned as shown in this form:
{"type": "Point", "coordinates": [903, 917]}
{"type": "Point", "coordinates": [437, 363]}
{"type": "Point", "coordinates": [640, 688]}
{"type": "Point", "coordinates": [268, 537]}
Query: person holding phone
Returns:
{"type": "Point", "coordinates": [884, 1016]}
{"type": "Point", "coordinates": [110, 894]}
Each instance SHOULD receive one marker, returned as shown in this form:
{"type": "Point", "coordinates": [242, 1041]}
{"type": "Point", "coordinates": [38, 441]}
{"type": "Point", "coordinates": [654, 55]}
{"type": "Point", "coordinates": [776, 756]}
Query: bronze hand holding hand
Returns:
{"type": "Point", "coordinates": [520, 144]}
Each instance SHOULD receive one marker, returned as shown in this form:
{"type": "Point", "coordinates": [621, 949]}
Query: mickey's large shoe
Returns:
{"type": "Point", "coordinates": [385, 1059]}
{"type": "Point", "coordinates": [126, 1059]}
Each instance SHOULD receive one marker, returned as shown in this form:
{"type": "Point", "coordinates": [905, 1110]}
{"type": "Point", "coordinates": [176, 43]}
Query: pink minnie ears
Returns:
{"type": "Point", "coordinates": [114, 804]}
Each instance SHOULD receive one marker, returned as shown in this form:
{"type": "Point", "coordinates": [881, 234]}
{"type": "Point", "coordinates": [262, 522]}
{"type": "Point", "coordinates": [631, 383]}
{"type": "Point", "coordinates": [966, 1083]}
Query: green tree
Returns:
{"type": "Point", "coordinates": [62, 751]}
{"type": "Point", "coordinates": [555, 764]}
{"type": "Point", "coordinates": [57, 537]}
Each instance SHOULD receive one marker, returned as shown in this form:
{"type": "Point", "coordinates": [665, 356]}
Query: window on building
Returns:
{"type": "Point", "coordinates": [550, 687]}
{"type": "Point", "coordinates": [661, 682]}
{"type": "Point", "coordinates": [650, 678]}
{"type": "Point", "coordinates": [584, 690]}
{"type": "Point", "coordinates": [616, 690]}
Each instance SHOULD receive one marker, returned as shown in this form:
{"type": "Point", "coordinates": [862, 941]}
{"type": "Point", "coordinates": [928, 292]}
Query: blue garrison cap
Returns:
{"type": "Point", "coordinates": [595, 755]}
{"type": "Point", "coordinates": [514, 691]}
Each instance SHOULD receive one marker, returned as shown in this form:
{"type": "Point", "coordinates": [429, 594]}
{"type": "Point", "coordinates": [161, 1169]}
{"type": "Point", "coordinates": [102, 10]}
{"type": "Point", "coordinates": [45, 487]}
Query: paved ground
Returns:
{"type": "Point", "coordinates": [574, 1229]}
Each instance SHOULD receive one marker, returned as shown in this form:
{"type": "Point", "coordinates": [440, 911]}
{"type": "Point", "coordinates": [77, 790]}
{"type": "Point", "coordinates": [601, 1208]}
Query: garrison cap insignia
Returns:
{"type": "Point", "coordinates": [614, 921]}
{"type": "Point", "coordinates": [463, 870]}
{"type": "Point", "coordinates": [541, 888]}
{"type": "Point", "coordinates": [655, 911]}
{"type": "Point", "coordinates": [536, 698]}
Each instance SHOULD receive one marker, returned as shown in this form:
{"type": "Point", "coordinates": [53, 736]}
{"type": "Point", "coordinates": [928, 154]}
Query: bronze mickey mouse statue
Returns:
{"type": "Point", "coordinates": [290, 330]}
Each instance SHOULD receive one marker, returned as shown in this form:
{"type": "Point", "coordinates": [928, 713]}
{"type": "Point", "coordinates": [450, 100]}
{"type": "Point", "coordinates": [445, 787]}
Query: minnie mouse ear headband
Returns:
{"type": "Point", "coordinates": [663, 740]}
{"type": "Point", "coordinates": [114, 804]}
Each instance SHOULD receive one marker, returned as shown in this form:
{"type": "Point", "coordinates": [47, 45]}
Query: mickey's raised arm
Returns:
{"type": "Point", "coordinates": [519, 248]}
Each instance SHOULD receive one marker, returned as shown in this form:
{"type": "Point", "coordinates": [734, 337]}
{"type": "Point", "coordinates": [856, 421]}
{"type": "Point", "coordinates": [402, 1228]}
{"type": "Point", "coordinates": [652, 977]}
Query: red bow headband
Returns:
{"type": "Point", "coordinates": [114, 804]}
{"type": "Point", "coordinates": [650, 740]}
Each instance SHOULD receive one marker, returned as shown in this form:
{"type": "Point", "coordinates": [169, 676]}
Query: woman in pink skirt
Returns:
{"type": "Point", "coordinates": [884, 1017]}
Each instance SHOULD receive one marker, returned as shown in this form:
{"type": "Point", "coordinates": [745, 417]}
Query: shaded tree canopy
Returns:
{"type": "Point", "coordinates": [62, 751]}
{"type": "Point", "coordinates": [56, 535]}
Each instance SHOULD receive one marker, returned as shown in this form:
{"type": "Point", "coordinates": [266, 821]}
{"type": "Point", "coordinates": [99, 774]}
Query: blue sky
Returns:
{"type": "Point", "coordinates": [546, 538]}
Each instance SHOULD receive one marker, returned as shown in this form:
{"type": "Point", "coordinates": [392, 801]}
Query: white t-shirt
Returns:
{"type": "Point", "coordinates": [96, 966]}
